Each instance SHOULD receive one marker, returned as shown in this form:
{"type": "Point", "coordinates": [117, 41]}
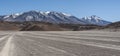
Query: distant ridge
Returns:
{"type": "Point", "coordinates": [95, 20]}
{"type": "Point", "coordinates": [114, 25]}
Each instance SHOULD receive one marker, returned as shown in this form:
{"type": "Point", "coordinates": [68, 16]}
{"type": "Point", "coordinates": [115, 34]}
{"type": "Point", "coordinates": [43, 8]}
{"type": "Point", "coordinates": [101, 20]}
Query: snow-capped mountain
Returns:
{"type": "Point", "coordinates": [49, 16]}
{"type": "Point", "coordinates": [52, 17]}
{"type": "Point", "coordinates": [95, 20]}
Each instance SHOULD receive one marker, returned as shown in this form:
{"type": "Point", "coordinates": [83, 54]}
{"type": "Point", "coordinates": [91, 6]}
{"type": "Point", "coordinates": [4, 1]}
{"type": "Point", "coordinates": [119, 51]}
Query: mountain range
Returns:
{"type": "Point", "coordinates": [53, 17]}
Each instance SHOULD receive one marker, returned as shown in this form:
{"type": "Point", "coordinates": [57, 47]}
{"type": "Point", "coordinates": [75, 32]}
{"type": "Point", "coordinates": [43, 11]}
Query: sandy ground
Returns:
{"type": "Point", "coordinates": [59, 43]}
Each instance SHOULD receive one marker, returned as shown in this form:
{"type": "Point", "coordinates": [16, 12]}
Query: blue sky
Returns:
{"type": "Point", "coordinates": [107, 9]}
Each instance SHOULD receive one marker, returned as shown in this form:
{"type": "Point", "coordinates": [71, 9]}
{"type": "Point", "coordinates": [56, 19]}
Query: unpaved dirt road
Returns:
{"type": "Point", "coordinates": [59, 43]}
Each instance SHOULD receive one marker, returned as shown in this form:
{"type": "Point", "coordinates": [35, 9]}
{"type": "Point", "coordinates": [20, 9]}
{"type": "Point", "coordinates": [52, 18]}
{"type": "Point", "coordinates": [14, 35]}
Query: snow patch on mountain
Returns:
{"type": "Point", "coordinates": [6, 16]}
{"type": "Point", "coordinates": [66, 14]}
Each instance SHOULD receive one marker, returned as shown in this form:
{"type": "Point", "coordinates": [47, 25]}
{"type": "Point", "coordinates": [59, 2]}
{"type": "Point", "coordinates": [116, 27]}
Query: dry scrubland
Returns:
{"type": "Point", "coordinates": [59, 43]}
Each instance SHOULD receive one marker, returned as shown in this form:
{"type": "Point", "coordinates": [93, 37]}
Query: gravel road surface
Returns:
{"type": "Point", "coordinates": [59, 43]}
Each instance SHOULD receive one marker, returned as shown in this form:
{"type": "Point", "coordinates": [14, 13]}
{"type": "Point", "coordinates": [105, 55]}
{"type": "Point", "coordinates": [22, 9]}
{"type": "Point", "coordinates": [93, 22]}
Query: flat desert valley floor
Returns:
{"type": "Point", "coordinates": [59, 43]}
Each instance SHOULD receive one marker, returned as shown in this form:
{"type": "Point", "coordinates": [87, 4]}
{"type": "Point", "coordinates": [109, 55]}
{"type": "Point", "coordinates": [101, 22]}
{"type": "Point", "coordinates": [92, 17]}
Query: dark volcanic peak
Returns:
{"type": "Point", "coordinates": [114, 25]}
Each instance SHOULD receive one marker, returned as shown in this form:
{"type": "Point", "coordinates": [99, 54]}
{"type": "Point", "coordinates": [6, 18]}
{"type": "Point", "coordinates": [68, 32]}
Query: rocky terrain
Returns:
{"type": "Point", "coordinates": [42, 26]}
